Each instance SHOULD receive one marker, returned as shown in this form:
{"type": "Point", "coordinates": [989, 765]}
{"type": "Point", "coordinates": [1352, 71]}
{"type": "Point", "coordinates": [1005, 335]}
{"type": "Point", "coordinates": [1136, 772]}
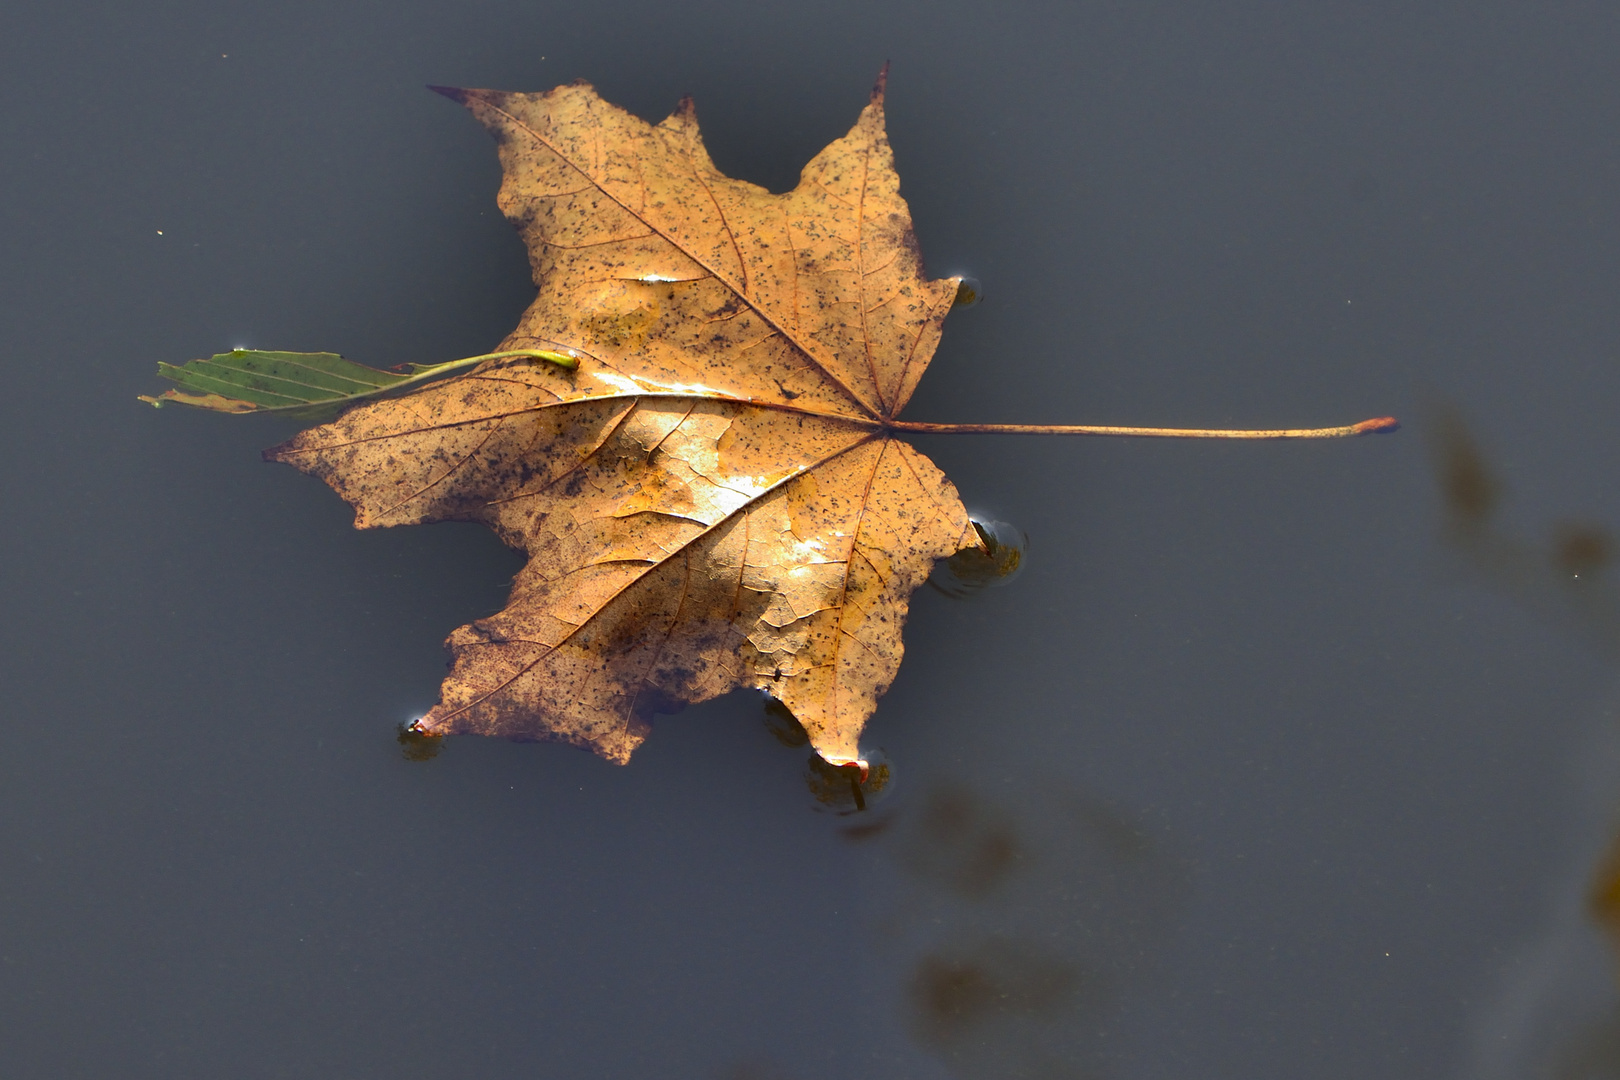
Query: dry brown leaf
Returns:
{"type": "Point", "coordinates": [715, 497]}
{"type": "Point", "coordinates": [692, 433]}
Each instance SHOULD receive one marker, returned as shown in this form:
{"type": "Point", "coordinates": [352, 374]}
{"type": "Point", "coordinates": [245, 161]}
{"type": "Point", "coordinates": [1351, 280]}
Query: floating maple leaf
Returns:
{"type": "Point", "coordinates": [692, 433]}
{"type": "Point", "coordinates": [711, 498]}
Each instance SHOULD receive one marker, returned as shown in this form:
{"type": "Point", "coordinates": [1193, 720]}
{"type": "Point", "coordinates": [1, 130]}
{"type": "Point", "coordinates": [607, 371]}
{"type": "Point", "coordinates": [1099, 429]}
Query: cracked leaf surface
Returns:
{"type": "Point", "coordinates": [711, 500]}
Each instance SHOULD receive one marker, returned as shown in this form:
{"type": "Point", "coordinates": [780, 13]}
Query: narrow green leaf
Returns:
{"type": "Point", "coordinates": [259, 380]}
{"type": "Point", "coordinates": [245, 380]}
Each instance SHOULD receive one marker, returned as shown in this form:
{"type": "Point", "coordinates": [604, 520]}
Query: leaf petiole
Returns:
{"type": "Point", "coordinates": [1366, 427]}
{"type": "Point", "coordinates": [422, 372]}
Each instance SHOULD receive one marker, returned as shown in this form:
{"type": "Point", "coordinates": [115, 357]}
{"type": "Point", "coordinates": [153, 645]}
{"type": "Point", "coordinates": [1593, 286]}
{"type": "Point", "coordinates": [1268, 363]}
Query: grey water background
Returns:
{"type": "Point", "coordinates": [1245, 776]}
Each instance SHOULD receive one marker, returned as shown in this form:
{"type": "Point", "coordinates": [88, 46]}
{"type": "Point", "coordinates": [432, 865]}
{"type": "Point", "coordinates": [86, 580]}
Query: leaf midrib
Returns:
{"type": "Point", "coordinates": [873, 423]}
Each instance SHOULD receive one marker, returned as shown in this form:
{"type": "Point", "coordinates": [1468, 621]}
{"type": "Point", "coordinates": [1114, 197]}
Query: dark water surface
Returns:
{"type": "Point", "coordinates": [1251, 773]}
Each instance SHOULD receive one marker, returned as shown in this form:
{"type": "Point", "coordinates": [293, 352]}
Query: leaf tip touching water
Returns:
{"type": "Point", "coordinates": [454, 93]}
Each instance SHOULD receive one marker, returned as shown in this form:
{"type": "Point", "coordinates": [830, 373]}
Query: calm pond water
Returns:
{"type": "Point", "coordinates": [1267, 764]}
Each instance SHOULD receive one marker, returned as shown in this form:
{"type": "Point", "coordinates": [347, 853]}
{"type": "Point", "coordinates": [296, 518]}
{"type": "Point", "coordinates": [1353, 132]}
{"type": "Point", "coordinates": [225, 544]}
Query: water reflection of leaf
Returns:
{"type": "Point", "coordinates": [1552, 1021]}
{"type": "Point", "coordinates": [1560, 577]}
{"type": "Point", "coordinates": [1469, 489]}
{"type": "Point", "coordinates": [1015, 920]}
{"type": "Point", "coordinates": [1581, 548]}
{"type": "Point", "coordinates": [417, 746]}
{"type": "Point", "coordinates": [961, 843]}
{"type": "Point", "coordinates": [957, 993]}
{"type": "Point", "coordinates": [755, 1070]}
{"type": "Point", "coordinates": [1027, 914]}
{"type": "Point", "coordinates": [782, 724]}
{"type": "Point", "coordinates": [1604, 899]}
{"type": "Point", "coordinates": [839, 788]}
{"type": "Point", "coordinates": [970, 571]}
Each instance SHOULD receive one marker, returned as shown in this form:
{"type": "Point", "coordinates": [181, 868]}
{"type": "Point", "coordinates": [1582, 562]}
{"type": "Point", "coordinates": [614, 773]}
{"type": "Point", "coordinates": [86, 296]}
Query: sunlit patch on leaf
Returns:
{"type": "Point", "coordinates": [972, 570]}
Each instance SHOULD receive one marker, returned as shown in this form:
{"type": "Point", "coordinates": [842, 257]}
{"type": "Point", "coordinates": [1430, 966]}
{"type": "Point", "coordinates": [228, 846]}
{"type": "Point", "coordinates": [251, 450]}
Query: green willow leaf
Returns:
{"type": "Point", "coordinates": [259, 380]}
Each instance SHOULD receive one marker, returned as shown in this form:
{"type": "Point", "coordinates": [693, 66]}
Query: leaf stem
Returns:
{"type": "Point", "coordinates": [1366, 427]}
{"type": "Point", "coordinates": [420, 372]}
